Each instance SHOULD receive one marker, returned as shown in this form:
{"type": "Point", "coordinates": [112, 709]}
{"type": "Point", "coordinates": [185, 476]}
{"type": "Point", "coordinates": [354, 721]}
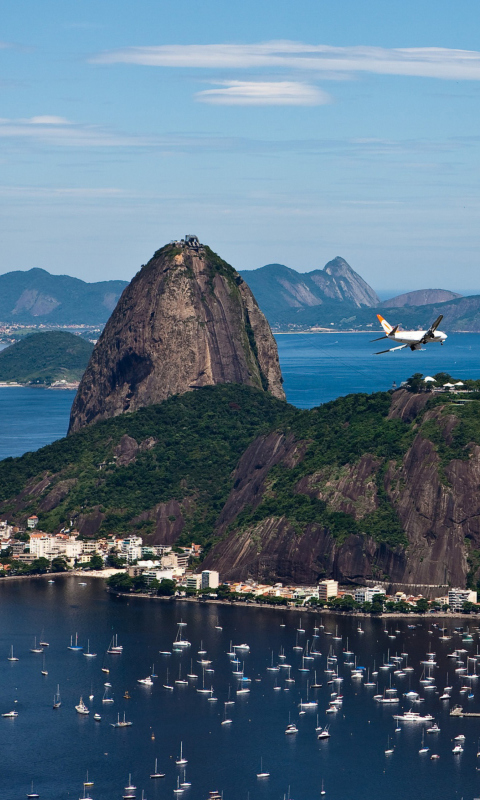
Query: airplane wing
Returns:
{"type": "Point", "coordinates": [433, 327]}
{"type": "Point", "coordinates": [400, 347]}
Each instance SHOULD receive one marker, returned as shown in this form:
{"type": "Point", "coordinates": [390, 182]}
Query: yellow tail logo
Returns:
{"type": "Point", "coordinates": [385, 325]}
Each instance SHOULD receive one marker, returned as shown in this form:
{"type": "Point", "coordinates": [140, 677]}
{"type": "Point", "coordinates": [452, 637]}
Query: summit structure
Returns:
{"type": "Point", "coordinates": [186, 320]}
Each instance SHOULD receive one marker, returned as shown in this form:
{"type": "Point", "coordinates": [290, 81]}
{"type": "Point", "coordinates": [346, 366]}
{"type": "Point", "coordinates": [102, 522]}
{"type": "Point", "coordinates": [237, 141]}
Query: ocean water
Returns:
{"type": "Point", "coordinates": [316, 368]}
{"type": "Point", "coordinates": [54, 749]}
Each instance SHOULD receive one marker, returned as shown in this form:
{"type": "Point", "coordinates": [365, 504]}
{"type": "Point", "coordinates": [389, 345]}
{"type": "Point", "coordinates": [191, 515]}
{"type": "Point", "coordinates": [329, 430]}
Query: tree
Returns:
{"type": "Point", "coordinates": [120, 582]}
{"type": "Point", "coordinates": [40, 565]}
{"type": "Point", "coordinates": [167, 588]}
{"type": "Point", "coordinates": [421, 605]}
{"type": "Point", "coordinates": [468, 607]}
{"type": "Point", "coordinates": [416, 382]}
{"type": "Point", "coordinates": [96, 562]}
{"type": "Point", "coordinates": [59, 564]}
{"type": "Point", "coordinates": [223, 591]}
{"type": "Point", "coordinates": [377, 603]}
{"type": "Point", "coordinates": [115, 561]}
{"type": "Point", "coordinates": [140, 583]}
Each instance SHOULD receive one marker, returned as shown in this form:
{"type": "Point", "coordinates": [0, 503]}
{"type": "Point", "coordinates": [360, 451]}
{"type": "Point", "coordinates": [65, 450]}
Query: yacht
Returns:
{"type": "Point", "coordinates": [10, 714]}
{"type": "Point", "coordinates": [180, 762]}
{"type": "Point", "coordinates": [121, 723]}
{"type": "Point", "coordinates": [145, 681]}
{"type": "Point", "coordinates": [81, 708]}
{"type": "Point", "coordinates": [413, 716]}
{"type": "Point", "coordinates": [75, 646]}
{"type": "Point", "coordinates": [262, 774]}
{"type": "Point", "coordinates": [291, 728]}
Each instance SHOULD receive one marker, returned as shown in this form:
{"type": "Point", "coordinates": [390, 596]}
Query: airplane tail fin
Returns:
{"type": "Point", "coordinates": [385, 325]}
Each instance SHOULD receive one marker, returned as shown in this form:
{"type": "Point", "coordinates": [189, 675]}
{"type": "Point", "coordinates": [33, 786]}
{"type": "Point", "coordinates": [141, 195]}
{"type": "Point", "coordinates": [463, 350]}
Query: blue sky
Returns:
{"type": "Point", "coordinates": [285, 132]}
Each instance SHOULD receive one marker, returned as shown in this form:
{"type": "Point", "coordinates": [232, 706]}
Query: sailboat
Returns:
{"type": "Point", "coordinates": [181, 681]}
{"type": "Point", "coordinates": [56, 698]}
{"type": "Point", "coordinates": [87, 782]}
{"type": "Point", "coordinates": [322, 790]}
{"type": "Point", "coordinates": [193, 675]}
{"type": "Point", "coordinates": [44, 671]}
{"type": "Point", "coordinates": [130, 787]}
{"type": "Point", "coordinates": [121, 723]}
{"type": "Point", "coordinates": [262, 774]}
{"type": "Point", "coordinates": [106, 696]}
{"type": "Point", "coordinates": [225, 720]}
{"type": "Point", "coordinates": [423, 749]}
{"type": "Point", "coordinates": [179, 642]}
{"type": "Point", "coordinates": [389, 750]}
{"type": "Point", "coordinates": [203, 690]}
{"type": "Point", "coordinates": [167, 685]}
{"type": "Point", "coordinates": [179, 789]}
{"type": "Point", "coordinates": [156, 773]}
{"type": "Point", "coordinates": [315, 685]}
{"type": "Point", "coordinates": [11, 657]}
{"type": "Point", "coordinates": [75, 646]}
{"type": "Point", "coordinates": [88, 654]}
{"type": "Point", "coordinates": [32, 793]}
{"type": "Point", "coordinates": [115, 649]}
{"type": "Point", "coordinates": [36, 649]}
{"type": "Point", "coordinates": [180, 762]}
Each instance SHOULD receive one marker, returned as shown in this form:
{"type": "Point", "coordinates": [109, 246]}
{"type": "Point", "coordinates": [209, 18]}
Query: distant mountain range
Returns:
{"type": "Point", "coordinates": [335, 297]}
{"type": "Point", "coordinates": [35, 296]}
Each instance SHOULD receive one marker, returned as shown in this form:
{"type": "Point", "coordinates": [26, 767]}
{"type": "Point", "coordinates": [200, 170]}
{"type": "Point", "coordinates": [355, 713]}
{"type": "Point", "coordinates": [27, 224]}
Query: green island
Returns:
{"type": "Point", "coordinates": [44, 358]}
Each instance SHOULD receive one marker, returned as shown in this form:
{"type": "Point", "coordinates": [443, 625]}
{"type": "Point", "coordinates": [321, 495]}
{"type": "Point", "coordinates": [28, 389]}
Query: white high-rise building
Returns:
{"type": "Point", "coordinates": [457, 597]}
{"type": "Point", "coordinates": [210, 579]}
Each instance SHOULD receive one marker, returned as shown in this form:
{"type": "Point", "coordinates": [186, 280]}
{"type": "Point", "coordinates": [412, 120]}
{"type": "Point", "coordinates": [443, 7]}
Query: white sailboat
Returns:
{"type": "Point", "coordinates": [56, 698]}
{"type": "Point", "coordinates": [88, 654]}
{"type": "Point", "coordinates": [156, 773]}
{"type": "Point", "coordinates": [81, 708]}
{"type": "Point", "coordinates": [262, 774]}
{"type": "Point", "coordinates": [11, 657]}
{"type": "Point", "coordinates": [181, 761]}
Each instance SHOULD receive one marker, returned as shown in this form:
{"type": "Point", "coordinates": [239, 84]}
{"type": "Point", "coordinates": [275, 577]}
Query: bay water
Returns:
{"type": "Point", "coordinates": [55, 748]}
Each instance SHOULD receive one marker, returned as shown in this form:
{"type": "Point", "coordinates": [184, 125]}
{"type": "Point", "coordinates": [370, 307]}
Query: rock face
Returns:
{"type": "Point", "coordinates": [185, 321]}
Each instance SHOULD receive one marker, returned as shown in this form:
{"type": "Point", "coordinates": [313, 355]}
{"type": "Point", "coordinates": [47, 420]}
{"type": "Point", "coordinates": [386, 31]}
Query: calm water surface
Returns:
{"type": "Point", "coordinates": [56, 748]}
{"type": "Point", "coordinates": [316, 368]}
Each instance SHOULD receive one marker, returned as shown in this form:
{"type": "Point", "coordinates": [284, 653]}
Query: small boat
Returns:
{"type": "Point", "coordinates": [262, 774]}
{"type": "Point", "coordinates": [106, 696]}
{"type": "Point", "coordinates": [179, 789]}
{"type": "Point", "coordinates": [389, 750]}
{"type": "Point", "coordinates": [130, 787]}
{"type": "Point", "coordinates": [156, 773]}
{"type": "Point", "coordinates": [291, 728]}
{"type": "Point", "coordinates": [75, 646]}
{"type": "Point", "coordinates": [81, 708]}
{"type": "Point", "coordinates": [457, 749]}
{"type": "Point", "coordinates": [36, 649]}
{"type": "Point", "coordinates": [32, 793]}
{"type": "Point", "coordinates": [10, 714]}
{"type": "Point", "coordinates": [180, 762]}
{"type": "Point", "coordinates": [43, 670]}
{"type": "Point", "coordinates": [325, 734]}
{"type": "Point", "coordinates": [114, 648]}
{"type": "Point", "coordinates": [56, 698]}
{"type": "Point", "coordinates": [225, 720]}
{"type": "Point", "coordinates": [322, 790]}
{"type": "Point", "coordinates": [423, 749]}
{"type": "Point", "coordinates": [88, 654]}
{"type": "Point", "coordinates": [145, 681]}
{"type": "Point", "coordinates": [11, 657]}
{"type": "Point", "coordinates": [167, 685]}
{"type": "Point", "coordinates": [127, 695]}
{"type": "Point", "coordinates": [87, 782]}
{"type": "Point", "coordinates": [97, 717]}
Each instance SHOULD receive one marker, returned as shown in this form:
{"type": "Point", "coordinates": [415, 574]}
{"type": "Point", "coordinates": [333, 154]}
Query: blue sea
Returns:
{"type": "Point", "coordinates": [56, 748]}
{"type": "Point", "coordinates": [317, 367]}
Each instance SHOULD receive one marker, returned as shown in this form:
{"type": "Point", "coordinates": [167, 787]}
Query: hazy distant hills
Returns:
{"type": "Point", "coordinates": [421, 297]}
{"type": "Point", "coordinates": [282, 292]}
{"type": "Point", "coordinates": [335, 297]}
{"type": "Point", "coordinates": [36, 296]}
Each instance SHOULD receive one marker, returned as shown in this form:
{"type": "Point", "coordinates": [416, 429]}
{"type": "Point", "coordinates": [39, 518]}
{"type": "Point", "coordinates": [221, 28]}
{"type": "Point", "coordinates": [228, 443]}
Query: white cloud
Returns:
{"type": "Point", "coordinates": [264, 93]}
{"type": "Point", "coordinates": [426, 62]}
{"type": "Point", "coordinates": [51, 130]}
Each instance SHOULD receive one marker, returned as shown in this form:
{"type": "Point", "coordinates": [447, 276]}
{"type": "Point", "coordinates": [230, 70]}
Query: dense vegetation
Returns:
{"type": "Point", "coordinates": [43, 358]}
{"type": "Point", "coordinates": [189, 446]}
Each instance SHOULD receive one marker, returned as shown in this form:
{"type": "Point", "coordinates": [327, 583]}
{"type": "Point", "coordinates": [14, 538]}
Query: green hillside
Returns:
{"type": "Point", "coordinates": [45, 357]}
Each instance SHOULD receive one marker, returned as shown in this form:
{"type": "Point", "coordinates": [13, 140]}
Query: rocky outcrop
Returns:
{"type": "Point", "coordinates": [186, 320]}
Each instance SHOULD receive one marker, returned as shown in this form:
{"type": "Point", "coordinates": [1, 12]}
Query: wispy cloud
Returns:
{"type": "Point", "coordinates": [264, 93]}
{"type": "Point", "coordinates": [52, 130]}
{"type": "Point", "coordinates": [425, 62]}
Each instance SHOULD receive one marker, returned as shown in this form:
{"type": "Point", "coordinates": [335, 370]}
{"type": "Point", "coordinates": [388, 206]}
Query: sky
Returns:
{"type": "Point", "coordinates": [286, 131]}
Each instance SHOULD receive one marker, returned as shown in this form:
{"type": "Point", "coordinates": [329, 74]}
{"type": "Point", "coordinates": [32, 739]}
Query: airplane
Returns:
{"type": "Point", "coordinates": [411, 339]}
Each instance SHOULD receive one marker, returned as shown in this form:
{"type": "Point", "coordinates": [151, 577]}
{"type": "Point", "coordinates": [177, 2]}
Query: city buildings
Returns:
{"type": "Point", "coordinates": [457, 597]}
{"type": "Point", "coordinates": [327, 589]}
{"type": "Point", "coordinates": [365, 594]}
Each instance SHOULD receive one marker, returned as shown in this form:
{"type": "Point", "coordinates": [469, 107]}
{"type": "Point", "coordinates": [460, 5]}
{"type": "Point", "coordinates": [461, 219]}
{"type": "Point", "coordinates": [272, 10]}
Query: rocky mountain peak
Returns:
{"type": "Point", "coordinates": [186, 320]}
{"type": "Point", "coordinates": [345, 284]}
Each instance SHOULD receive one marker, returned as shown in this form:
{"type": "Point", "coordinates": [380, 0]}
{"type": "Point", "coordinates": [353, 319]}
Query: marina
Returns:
{"type": "Point", "coordinates": [243, 715]}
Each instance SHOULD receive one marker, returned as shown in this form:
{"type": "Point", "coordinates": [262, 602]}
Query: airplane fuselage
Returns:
{"type": "Point", "coordinates": [412, 337]}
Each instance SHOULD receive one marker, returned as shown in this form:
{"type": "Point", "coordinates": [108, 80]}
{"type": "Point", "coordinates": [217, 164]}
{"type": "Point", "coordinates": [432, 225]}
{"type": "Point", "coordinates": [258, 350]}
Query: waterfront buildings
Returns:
{"type": "Point", "coordinates": [457, 597]}
{"type": "Point", "coordinates": [365, 594]}
{"type": "Point", "coordinates": [327, 589]}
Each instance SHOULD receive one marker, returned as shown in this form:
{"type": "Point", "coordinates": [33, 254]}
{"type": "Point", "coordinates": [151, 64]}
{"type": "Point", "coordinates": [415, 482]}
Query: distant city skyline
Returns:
{"type": "Point", "coordinates": [287, 133]}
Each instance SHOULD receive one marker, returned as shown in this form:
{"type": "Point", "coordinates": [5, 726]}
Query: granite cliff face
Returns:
{"type": "Point", "coordinates": [185, 321]}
